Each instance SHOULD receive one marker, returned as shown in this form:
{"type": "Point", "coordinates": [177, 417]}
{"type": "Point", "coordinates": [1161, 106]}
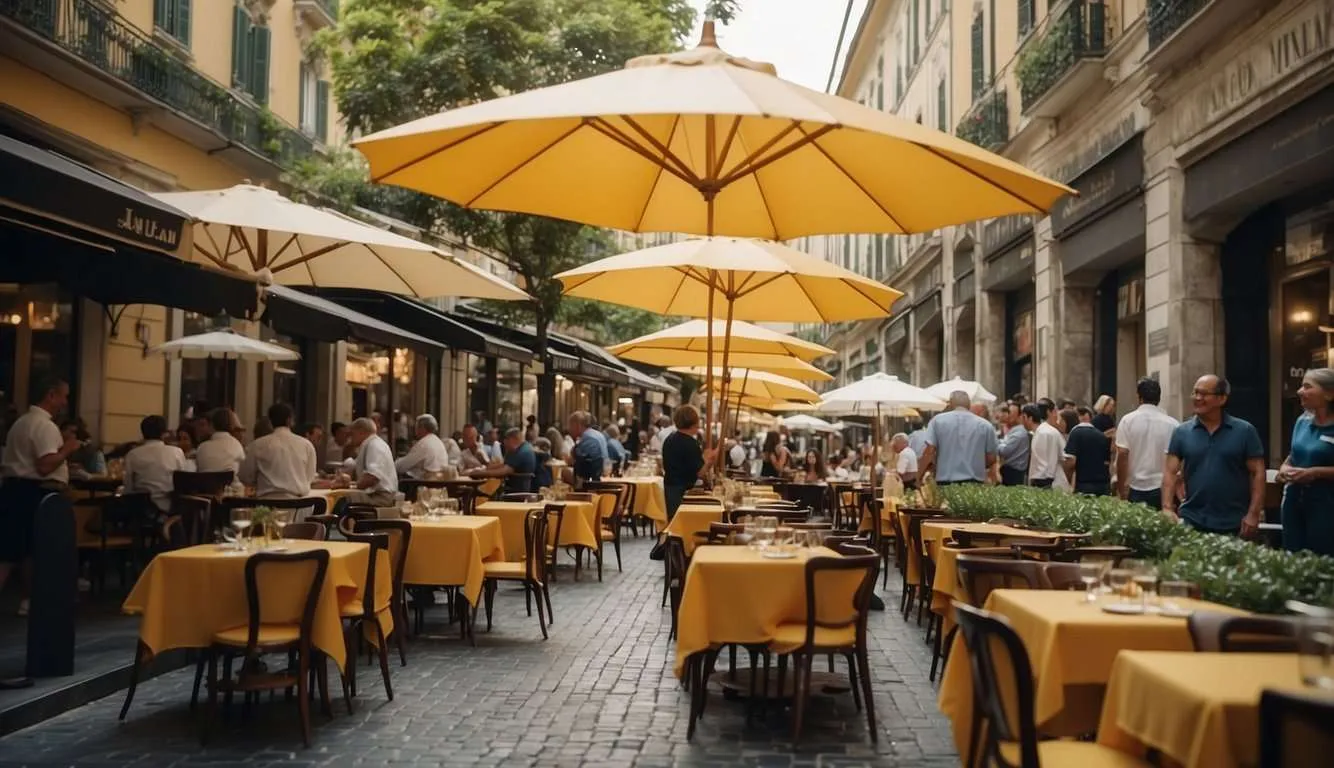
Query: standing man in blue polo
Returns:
{"type": "Point", "coordinates": [590, 448]}
{"type": "Point", "coordinates": [1222, 463]}
{"type": "Point", "coordinates": [960, 445]}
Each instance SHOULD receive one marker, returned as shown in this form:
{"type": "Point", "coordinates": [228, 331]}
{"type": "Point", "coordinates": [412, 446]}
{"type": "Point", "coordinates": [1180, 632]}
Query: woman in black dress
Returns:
{"type": "Point", "coordinates": [683, 461]}
{"type": "Point", "coordinates": [776, 456]}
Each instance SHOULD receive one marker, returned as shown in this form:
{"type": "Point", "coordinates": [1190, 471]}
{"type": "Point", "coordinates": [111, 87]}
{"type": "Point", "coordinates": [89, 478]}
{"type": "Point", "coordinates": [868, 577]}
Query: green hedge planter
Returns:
{"type": "Point", "coordinates": [1229, 570]}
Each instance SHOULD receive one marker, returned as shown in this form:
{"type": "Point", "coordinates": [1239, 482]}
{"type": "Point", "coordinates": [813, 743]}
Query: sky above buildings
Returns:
{"type": "Point", "coordinates": [797, 36]}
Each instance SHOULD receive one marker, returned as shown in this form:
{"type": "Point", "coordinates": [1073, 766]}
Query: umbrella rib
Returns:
{"type": "Point", "coordinates": [305, 257]}
{"type": "Point", "coordinates": [796, 279]}
{"type": "Point", "coordinates": [858, 185]}
{"type": "Point", "coordinates": [677, 292]}
{"type": "Point", "coordinates": [387, 266]}
{"type": "Point", "coordinates": [250, 252]}
{"type": "Point", "coordinates": [515, 169]}
{"type": "Point", "coordinates": [1036, 208]}
{"type": "Point", "coordinates": [220, 262]}
{"type": "Point", "coordinates": [664, 149]}
{"type": "Point", "coordinates": [443, 148]}
{"type": "Point", "coordinates": [738, 170]}
{"type": "Point", "coordinates": [610, 131]}
{"type": "Point", "coordinates": [284, 246]}
{"type": "Point", "coordinates": [219, 255]}
{"type": "Point", "coordinates": [853, 285]}
{"type": "Point", "coordinates": [727, 142]}
{"type": "Point", "coordinates": [753, 166]}
{"type": "Point", "coordinates": [657, 177]}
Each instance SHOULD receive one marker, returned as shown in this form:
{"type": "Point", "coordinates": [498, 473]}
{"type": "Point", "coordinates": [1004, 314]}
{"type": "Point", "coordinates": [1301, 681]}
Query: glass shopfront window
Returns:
{"type": "Point", "coordinates": [509, 394]}
{"type": "Point", "coordinates": [206, 382]}
{"type": "Point", "coordinates": [1020, 337]}
{"type": "Point", "coordinates": [529, 394]}
{"type": "Point", "coordinates": [38, 339]}
{"type": "Point", "coordinates": [286, 383]}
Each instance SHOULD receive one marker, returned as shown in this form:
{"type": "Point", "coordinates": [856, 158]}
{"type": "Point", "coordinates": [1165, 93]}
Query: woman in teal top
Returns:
{"type": "Point", "coordinates": [1308, 499]}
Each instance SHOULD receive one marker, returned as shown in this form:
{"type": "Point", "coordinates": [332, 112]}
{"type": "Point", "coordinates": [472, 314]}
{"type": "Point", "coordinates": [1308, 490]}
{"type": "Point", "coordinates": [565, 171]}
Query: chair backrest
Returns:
{"type": "Point", "coordinates": [535, 540]}
{"type": "Point", "coordinates": [524, 498]}
{"type": "Point", "coordinates": [724, 533]}
{"type": "Point", "coordinates": [201, 483]}
{"type": "Point", "coordinates": [835, 540]}
{"type": "Point", "coordinates": [979, 575]}
{"type": "Point", "coordinates": [465, 492]}
{"type": "Point", "coordinates": [1002, 684]}
{"type": "Point", "coordinates": [776, 504]}
{"type": "Point", "coordinates": [379, 544]}
{"type": "Point", "coordinates": [1061, 576]}
{"type": "Point", "coordinates": [126, 514]}
{"type": "Point", "coordinates": [677, 563]}
{"type": "Point", "coordinates": [1296, 730]}
{"type": "Point", "coordinates": [828, 612]}
{"type": "Point", "coordinates": [788, 516]}
{"type": "Point", "coordinates": [804, 526]}
{"type": "Point", "coordinates": [852, 549]}
{"type": "Point", "coordinates": [310, 529]}
{"type": "Point", "coordinates": [410, 486]}
{"type": "Point", "coordinates": [190, 520]}
{"type": "Point", "coordinates": [399, 533]}
{"type": "Point", "coordinates": [702, 500]}
{"type": "Point", "coordinates": [289, 565]}
{"type": "Point", "coordinates": [1216, 632]}
{"type": "Point", "coordinates": [581, 495]}
{"type": "Point", "coordinates": [1102, 554]}
{"type": "Point", "coordinates": [619, 491]}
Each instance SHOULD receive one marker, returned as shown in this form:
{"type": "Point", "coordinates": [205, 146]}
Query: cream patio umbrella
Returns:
{"type": "Point", "coordinates": [224, 344]}
{"type": "Point", "coordinates": [757, 384]}
{"type": "Point", "coordinates": [706, 143]}
{"type": "Point", "coordinates": [257, 231]}
{"type": "Point", "coordinates": [878, 393]}
{"type": "Point", "coordinates": [752, 346]}
{"type": "Point", "coordinates": [808, 423]}
{"type": "Point", "coordinates": [975, 391]}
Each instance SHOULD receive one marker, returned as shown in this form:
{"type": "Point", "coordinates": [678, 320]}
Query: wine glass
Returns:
{"type": "Point", "coordinates": [1120, 579]}
{"type": "Point", "coordinates": [450, 506]}
{"type": "Point", "coordinates": [1091, 574]}
{"type": "Point", "coordinates": [280, 518]}
{"type": "Point", "coordinates": [226, 537]}
{"type": "Point", "coordinates": [240, 521]}
{"type": "Point", "coordinates": [1145, 577]}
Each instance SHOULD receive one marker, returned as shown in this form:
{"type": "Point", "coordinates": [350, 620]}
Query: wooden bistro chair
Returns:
{"type": "Point", "coordinates": [360, 614]}
{"type": "Point", "coordinates": [466, 492]}
{"type": "Point", "coordinates": [927, 564]}
{"type": "Point", "coordinates": [260, 636]}
{"type": "Point", "coordinates": [1213, 632]}
{"type": "Point", "coordinates": [531, 572]}
{"type": "Point", "coordinates": [400, 538]}
{"type": "Point", "coordinates": [122, 530]}
{"type": "Point", "coordinates": [677, 565]}
{"type": "Point", "coordinates": [309, 530]}
{"type": "Point", "coordinates": [1003, 694]}
{"type": "Point", "coordinates": [881, 541]}
{"type": "Point", "coordinates": [609, 529]}
{"type": "Point", "coordinates": [980, 571]}
{"type": "Point", "coordinates": [1296, 730]}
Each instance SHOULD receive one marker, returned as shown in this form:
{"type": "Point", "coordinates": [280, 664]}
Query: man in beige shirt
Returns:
{"type": "Point", "coordinates": [281, 464]}
{"type": "Point", "coordinates": [222, 452]}
{"type": "Point", "coordinates": [151, 466]}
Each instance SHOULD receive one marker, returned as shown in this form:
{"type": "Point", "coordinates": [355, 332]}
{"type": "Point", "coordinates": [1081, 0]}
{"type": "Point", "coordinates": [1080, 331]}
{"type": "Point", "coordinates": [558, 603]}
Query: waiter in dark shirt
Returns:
{"type": "Point", "coordinates": [683, 462]}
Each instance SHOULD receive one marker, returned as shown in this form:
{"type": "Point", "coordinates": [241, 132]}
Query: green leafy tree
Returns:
{"type": "Point", "coordinates": [398, 60]}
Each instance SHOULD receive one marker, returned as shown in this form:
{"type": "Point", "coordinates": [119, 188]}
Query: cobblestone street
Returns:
{"type": "Point", "coordinates": [599, 692]}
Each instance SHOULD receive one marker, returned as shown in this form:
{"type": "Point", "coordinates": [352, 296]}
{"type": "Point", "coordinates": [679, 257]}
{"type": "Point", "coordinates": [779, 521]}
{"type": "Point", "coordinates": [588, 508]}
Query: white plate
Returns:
{"type": "Point", "coordinates": [775, 555]}
{"type": "Point", "coordinates": [1175, 613]}
{"type": "Point", "coordinates": [1124, 609]}
{"type": "Point", "coordinates": [274, 549]}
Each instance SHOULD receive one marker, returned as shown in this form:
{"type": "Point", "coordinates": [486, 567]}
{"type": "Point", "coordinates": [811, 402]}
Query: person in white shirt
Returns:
{"type": "Point", "coordinates": [1141, 445]}
{"type": "Point", "coordinates": [491, 445]}
{"type": "Point", "coordinates": [473, 455]}
{"type": "Point", "coordinates": [906, 464]}
{"type": "Point", "coordinates": [1047, 449]}
{"type": "Point", "coordinates": [222, 452]}
{"type": "Point", "coordinates": [376, 476]}
{"type": "Point", "coordinates": [281, 464]}
{"type": "Point", "coordinates": [33, 464]}
{"type": "Point", "coordinates": [149, 467]}
{"type": "Point", "coordinates": [736, 455]}
{"type": "Point", "coordinates": [665, 429]}
{"type": "Point", "coordinates": [428, 455]}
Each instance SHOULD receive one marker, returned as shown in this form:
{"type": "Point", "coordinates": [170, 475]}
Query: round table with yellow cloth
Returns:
{"type": "Point", "coordinates": [650, 498]}
{"type": "Point", "coordinates": [734, 594]}
{"type": "Point", "coordinates": [1071, 646]}
{"type": "Point", "coordinates": [1201, 710]}
{"type": "Point", "coordinates": [186, 596]}
{"type": "Point", "coordinates": [449, 552]}
{"type": "Point", "coordinates": [579, 524]}
{"type": "Point", "coordinates": [691, 519]}
{"type": "Point", "coordinates": [889, 516]}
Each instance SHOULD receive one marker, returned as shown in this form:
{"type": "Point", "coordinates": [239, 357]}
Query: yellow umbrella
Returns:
{"type": "Point", "coordinates": [760, 384]}
{"type": "Point", "coordinates": [752, 347]}
{"type": "Point", "coordinates": [706, 143]}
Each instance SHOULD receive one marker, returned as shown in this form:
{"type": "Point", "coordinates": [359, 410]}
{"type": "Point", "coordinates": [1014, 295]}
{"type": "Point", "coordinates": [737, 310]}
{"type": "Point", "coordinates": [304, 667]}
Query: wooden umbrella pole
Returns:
{"type": "Point", "coordinates": [727, 348]}
{"type": "Point", "coordinates": [708, 372]}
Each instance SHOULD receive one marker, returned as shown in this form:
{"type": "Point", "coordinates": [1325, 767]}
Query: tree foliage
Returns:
{"type": "Point", "coordinates": [397, 60]}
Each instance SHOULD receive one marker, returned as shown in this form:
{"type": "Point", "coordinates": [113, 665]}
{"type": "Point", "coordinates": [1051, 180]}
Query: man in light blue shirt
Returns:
{"type": "Point", "coordinates": [1013, 448]}
{"type": "Point", "coordinates": [917, 441]}
{"type": "Point", "coordinates": [960, 446]}
{"type": "Point", "coordinates": [590, 447]}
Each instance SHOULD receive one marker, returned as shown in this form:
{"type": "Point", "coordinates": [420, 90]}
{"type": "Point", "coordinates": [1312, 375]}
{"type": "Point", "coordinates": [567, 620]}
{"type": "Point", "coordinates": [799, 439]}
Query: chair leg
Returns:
{"type": "Point", "coordinates": [322, 681]}
{"type": "Point", "coordinates": [782, 674]}
{"type": "Point", "coordinates": [302, 695]}
{"type": "Point", "coordinates": [488, 592]}
{"type": "Point", "coordinates": [541, 623]}
{"type": "Point", "coordinates": [212, 696]}
{"type": "Point", "coordinates": [803, 693]}
{"type": "Point", "coordinates": [937, 651]}
{"type": "Point", "coordinates": [354, 631]}
{"type": "Point", "coordinates": [399, 636]}
{"type": "Point", "coordinates": [666, 579]}
{"type": "Point", "coordinates": [616, 543]}
{"type": "Point", "coordinates": [865, 674]}
{"type": "Point", "coordinates": [852, 681]}
{"type": "Point", "coordinates": [546, 595]}
{"type": "Point", "coordinates": [601, 546]}
{"type": "Point", "coordinates": [528, 597]}
{"type": "Point", "coordinates": [139, 652]}
{"type": "Point", "coordinates": [384, 661]}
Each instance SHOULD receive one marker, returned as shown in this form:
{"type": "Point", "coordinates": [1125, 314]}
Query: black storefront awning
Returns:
{"type": "Point", "coordinates": [427, 321]}
{"type": "Point", "coordinates": [303, 314]}
{"type": "Point", "coordinates": [570, 357]}
{"type": "Point", "coordinates": [64, 222]}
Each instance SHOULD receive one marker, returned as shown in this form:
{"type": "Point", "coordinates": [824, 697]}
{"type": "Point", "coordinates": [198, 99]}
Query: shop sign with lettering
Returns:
{"type": "Point", "coordinates": [999, 234]}
{"type": "Point", "coordinates": [1104, 186]}
{"type": "Point", "coordinates": [1296, 41]}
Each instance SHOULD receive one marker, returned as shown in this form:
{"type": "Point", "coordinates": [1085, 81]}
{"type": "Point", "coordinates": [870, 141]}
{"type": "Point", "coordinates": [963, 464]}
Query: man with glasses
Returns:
{"type": "Point", "coordinates": [1221, 461]}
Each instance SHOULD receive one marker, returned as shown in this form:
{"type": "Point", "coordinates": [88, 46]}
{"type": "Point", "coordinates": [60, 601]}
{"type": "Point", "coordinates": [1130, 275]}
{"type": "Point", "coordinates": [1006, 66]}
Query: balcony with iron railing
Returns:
{"type": "Point", "coordinates": [1179, 28]}
{"type": "Point", "coordinates": [143, 74]}
{"type": "Point", "coordinates": [1061, 58]}
{"type": "Point", "coordinates": [987, 122]}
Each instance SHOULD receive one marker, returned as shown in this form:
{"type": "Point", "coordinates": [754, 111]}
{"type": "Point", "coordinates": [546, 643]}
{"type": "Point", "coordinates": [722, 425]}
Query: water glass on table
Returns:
{"type": "Point", "coordinates": [1091, 573]}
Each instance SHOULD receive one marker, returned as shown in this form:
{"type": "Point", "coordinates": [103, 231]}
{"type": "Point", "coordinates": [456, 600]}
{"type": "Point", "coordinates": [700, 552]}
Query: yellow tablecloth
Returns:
{"type": "Point", "coordinates": [450, 551]}
{"type": "Point", "coordinates": [579, 524]}
{"type": "Point", "coordinates": [888, 518]}
{"type": "Point", "coordinates": [1071, 646]}
{"type": "Point", "coordinates": [946, 586]}
{"type": "Point", "coordinates": [736, 595]}
{"type": "Point", "coordinates": [1199, 709]}
{"type": "Point", "coordinates": [650, 498]}
{"type": "Point", "coordinates": [691, 519]}
{"type": "Point", "coordinates": [187, 595]}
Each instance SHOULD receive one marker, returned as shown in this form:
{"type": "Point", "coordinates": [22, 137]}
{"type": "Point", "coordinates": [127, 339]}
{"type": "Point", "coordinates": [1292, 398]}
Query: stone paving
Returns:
{"type": "Point", "coordinates": [600, 692]}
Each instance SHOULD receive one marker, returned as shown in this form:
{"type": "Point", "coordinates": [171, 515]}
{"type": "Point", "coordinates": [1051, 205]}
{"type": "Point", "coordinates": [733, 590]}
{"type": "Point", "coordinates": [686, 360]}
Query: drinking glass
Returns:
{"type": "Point", "coordinates": [405, 509]}
{"type": "Point", "coordinates": [281, 517]}
{"type": "Point", "coordinates": [226, 536]}
{"type": "Point", "coordinates": [1171, 592]}
{"type": "Point", "coordinates": [240, 521]}
{"type": "Point", "coordinates": [1145, 577]}
{"type": "Point", "coordinates": [450, 506]}
{"type": "Point", "coordinates": [1120, 579]}
{"type": "Point", "coordinates": [1091, 574]}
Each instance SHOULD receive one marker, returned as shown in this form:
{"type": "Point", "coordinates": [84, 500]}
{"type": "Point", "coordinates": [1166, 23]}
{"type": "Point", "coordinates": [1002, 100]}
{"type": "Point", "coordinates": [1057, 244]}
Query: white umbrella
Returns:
{"type": "Point", "coordinates": [256, 231]}
{"type": "Point", "coordinates": [876, 394]}
{"type": "Point", "coordinates": [975, 391]}
{"type": "Point", "coordinates": [804, 422]}
{"type": "Point", "coordinates": [226, 344]}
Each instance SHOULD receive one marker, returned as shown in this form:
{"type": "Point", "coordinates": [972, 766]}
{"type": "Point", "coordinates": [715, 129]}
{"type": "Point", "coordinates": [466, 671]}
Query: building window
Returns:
{"type": "Point", "coordinates": [313, 98]}
{"type": "Point", "coordinates": [978, 52]}
{"type": "Point", "coordinates": [173, 18]}
{"type": "Point", "coordinates": [250, 56]}
{"type": "Point", "coordinates": [941, 110]}
{"type": "Point", "coordinates": [1027, 17]}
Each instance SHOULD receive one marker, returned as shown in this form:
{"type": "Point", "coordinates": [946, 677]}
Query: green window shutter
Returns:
{"type": "Point", "coordinates": [301, 105]}
{"type": "Point", "coordinates": [260, 63]}
{"type": "Point", "coordinates": [182, 31]}
{"type": "Point", "coordinates": [1025, 17]}
{"type": "Point", "coordinates": [322, 110]}
{"type": "Point", "coordinates": [941, 110]}
{"type": "Point", "coordinates": [160, 13]}
{"type": "Point", "coordinates": [240, 48]}
{"type": "Point", "coordinates": [979, 73]}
